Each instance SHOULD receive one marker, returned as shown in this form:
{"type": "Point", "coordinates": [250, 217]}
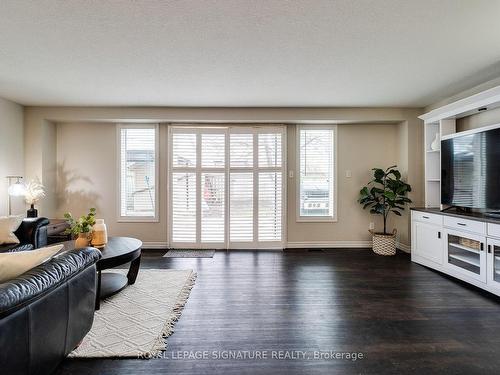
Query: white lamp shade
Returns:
{"type": "Point", "coordinates": [17, 189]}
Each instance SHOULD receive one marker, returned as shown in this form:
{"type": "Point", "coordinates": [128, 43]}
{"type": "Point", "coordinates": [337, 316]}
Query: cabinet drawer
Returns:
{"type": "Point", "coordinates": [465, 224]}
{"type": "Point", "coordinates": [424, 217]}
{"type": "Point", "coordinates": [494, 230]}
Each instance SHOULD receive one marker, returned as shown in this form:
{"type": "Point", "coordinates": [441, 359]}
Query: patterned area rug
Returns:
{"type": "Point", "coordinates": [135, 322]}
{"type": "Point", "coordinates": [190, 253]}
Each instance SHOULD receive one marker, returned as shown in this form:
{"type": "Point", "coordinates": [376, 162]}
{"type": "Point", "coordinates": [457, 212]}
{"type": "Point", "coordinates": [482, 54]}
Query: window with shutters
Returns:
{"type": "Point", "coordinates": [138, 161]}
{"type": "Point", "coordinates": [316, 183]}
{"type": "Point", "coordinates": [226, 186]}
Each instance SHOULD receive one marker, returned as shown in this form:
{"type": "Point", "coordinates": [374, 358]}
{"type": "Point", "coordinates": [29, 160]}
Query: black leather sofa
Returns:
{"type": "Point", "coordinates": [32, 234]}
{"type": "Point", "coordinates": [46, 312]}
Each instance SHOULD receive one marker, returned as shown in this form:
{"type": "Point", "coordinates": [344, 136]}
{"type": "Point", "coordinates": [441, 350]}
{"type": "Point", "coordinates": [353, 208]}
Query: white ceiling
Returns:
{"type": "Point", "coordinates": [245, 53]}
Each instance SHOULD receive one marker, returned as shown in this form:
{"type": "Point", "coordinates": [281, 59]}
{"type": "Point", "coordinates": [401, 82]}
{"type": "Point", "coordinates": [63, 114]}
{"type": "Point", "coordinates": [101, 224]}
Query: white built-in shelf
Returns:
{"type": "Point", "coordinates": [472, 260]}
{"type": "Point", "coordinates": [433, 159]}
{"type": "Point", "coordinates": [432, 164]}
{"type": "Point", "coordinates": [462, 247]}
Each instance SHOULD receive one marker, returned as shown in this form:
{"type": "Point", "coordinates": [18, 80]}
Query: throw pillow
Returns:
{"type": "Point", "coordinates": [8, 225]}
{"type": "Point", "coordinates": [16, 263]}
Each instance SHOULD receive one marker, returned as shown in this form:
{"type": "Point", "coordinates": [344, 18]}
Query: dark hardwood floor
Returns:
{"type": "Point", "coordinates": [403, 317]}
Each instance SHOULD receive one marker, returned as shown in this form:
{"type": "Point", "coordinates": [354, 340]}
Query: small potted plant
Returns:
{"type": "Point", "coordinates": [81, 228]}
{"type": "Point", "coordinates": [384, 194]}
{"type": "Point", "coordinates": [34, 192]}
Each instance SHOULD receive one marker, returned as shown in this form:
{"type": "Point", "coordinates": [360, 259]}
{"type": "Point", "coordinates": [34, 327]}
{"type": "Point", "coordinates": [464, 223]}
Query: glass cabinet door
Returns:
{"type": "Point", "coordinates": [465, 253]}
{"type": "Point", "coordinates": [494, 263]}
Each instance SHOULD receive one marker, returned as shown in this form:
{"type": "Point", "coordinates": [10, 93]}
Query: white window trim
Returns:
{"type": "Point", "coordinates": [316, 219]}
{"type": "Point", "coordinates": [137, 219]}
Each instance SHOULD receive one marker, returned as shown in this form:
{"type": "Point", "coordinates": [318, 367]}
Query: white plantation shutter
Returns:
{"type": "Point", "coordinates": [213, 207]}
{"type": "Point", "coordinates": [234, 188]}
{"type": "Point", "coordinates": [213, 150]}
{"type": "Point", "coordinates": [184, 150]}
{"type": "Point", "coordinates": [270, 186]}
{"type": "Point", "coordinates": [270, 150]}
{"type": "Point", "coordinates": [138, 154]}
{"type": "Point", "coordinates": [213, 179]}
{"type": "Point", "coordinates": [241, 146]}
{"type": "Point", "coordinates": [270, 209]}
{"type": "Point", "coordinates": [241, 197]}
{"type": "Point", "coordinates": [241, 194]}
{"type": "Point", "coordinates": [316, 172]}
{"type": "Point", "coordinates": [184, 207]}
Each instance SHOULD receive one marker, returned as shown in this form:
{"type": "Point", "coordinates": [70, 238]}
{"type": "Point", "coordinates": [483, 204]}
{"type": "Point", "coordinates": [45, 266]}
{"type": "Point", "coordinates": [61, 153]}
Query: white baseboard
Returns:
{"type": "Point", "coordinates": [339, 244]}
{"type": "Point", "coordinates": [291, 245]}
{"type": "Point", "coordinates": [154, 245]}
{"type": "Point", "coordinates": [328, 244]}
{"type": "Point", "coordinates": [404, 247]}
{"type": "Point", "coordinates": [301, 245]}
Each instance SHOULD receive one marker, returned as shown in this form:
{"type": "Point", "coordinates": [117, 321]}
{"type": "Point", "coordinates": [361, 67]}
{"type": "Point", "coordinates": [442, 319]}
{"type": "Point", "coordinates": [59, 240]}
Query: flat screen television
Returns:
{"type": "Point", "coordinates": [470, 170]}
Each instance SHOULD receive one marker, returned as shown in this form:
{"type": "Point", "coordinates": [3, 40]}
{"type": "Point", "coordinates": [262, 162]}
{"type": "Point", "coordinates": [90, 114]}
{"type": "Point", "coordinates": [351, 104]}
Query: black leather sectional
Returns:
{"type": "Point", "coordinates": [47, 311]}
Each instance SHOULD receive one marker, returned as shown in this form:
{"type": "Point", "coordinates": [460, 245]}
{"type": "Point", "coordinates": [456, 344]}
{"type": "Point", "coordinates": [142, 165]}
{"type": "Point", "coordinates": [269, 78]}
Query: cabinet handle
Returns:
{"type": "Point", "coordinates": [489, 249]}
{"type": "Point", "coordinates": [462, 224]}
{"type": "Point", "coordinates": [439, 234]}
{"type": "Point", "coordinates": [425, 217]}
{"type": "Point", "coordinates": [482, 246]}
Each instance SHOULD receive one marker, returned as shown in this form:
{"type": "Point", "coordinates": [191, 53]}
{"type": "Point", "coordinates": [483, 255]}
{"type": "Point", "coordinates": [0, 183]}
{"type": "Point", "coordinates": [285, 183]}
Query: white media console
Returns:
{"type": "Point", "coordinates": [466, 246]}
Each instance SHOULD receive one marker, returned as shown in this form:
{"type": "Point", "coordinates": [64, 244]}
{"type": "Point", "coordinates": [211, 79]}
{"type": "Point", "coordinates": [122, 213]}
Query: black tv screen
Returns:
{"type": "Point", "coordinates": [470, 170]}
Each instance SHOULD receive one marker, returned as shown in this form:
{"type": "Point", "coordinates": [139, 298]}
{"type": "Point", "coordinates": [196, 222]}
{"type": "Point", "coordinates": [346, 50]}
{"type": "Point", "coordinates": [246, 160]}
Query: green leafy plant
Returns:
{"type": "Point", "coordinates": [83, 224]}
{"type": "Point", "coordinates": [386, 193]}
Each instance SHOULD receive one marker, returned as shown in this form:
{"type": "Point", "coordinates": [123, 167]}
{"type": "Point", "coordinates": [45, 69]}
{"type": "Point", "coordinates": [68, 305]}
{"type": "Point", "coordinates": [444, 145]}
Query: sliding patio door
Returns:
{"type": "Point", "coordinates": [226, 187]}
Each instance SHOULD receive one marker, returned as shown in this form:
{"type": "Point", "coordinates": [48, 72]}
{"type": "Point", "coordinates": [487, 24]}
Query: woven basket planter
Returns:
{"type": "Point", "coordinates": [384, 244]}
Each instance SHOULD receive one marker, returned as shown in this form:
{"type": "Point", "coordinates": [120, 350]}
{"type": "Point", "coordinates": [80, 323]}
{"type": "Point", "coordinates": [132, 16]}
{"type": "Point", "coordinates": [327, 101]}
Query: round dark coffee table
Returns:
{"type": "Point", "coordinates": [118, 251]}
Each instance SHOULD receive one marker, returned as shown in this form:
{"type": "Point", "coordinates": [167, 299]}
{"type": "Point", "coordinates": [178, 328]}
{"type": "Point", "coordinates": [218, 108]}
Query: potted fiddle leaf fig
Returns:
{"type": "Point", "coordinates": [384, 194]}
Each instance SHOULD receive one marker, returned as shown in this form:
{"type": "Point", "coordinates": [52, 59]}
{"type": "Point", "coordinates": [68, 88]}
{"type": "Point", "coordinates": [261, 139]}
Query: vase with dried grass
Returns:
{"type": "Point", "coordinates": [34, 192]}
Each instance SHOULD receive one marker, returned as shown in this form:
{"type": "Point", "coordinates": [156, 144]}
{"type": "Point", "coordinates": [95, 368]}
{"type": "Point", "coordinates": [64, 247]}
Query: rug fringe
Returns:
{"type": "Point", "coordinates": [160, 345]}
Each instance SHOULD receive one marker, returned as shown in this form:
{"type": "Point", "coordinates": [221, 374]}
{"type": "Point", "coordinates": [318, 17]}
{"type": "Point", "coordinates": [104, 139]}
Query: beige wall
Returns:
{"type": "Point", "coordinates": [11, 150]}
{"type": "Point", "coordinates": [411, 143]}
{"type": "Point", "coordinates": [360, 148]}
{"type": "Point", "coordinates": [87, 176]}
{"type": "Point", "coordinates": [40, 159]}
{"type": "Point", "coordinates": [85, 158]}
